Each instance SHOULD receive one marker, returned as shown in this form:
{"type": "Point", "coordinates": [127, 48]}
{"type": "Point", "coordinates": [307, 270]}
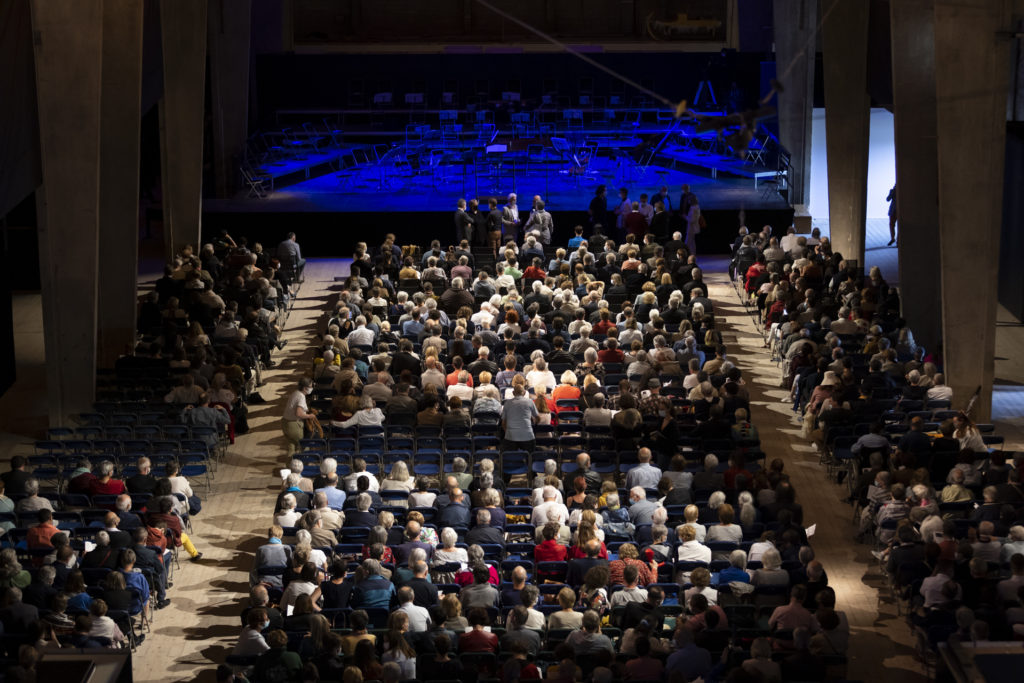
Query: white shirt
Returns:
{"type": "Point", "coordinates": [180, 484]}
{"type": "Point", "coordinates": [419, 618]}
{"type": "Point", "coordinates": [644, 475]}
{"type": "Point", "coordinates": [692, 551]}
{"type": "Point", "coordinates": [350, 481]}
{"type": "Point", "coordinates": [940, 393]}
{"type": "Point", "coordinates": [537, 498]}
{"type": "Point", "coordinates": [628, 595]}
{"type": "Point", "coordinates": [361, 336]}
{"type": "Point", "coordinates": [540, 378]}
{"type": "Point", "coordinates": [540, 513]}
{"type": "Point", "coordinates": [464, 392]}
{"type": "Point", "coordinates": [295, 401]}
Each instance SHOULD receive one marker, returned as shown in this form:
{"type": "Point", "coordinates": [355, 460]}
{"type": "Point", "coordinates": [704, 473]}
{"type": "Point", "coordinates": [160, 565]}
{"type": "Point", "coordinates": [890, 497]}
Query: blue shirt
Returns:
{"type": "Point", "coordinates": [137, 580]}
{"type": "Point", "coordinates": [335, 497]}
{"type": "Point", "coordinates": [518, 414]}
{"type": "Point", "coordinates": [575, 242]}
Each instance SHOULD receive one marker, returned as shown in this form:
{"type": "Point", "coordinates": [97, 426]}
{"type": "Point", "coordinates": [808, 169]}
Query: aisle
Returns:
{"type": "Point", "coordinates": [879, 637]}
{"type": "Point", "coordinates": [200, 627]}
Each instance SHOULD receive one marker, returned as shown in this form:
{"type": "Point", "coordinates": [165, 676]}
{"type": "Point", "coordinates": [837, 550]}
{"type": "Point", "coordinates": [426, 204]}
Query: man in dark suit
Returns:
{"type": "Point", "coordinates": [15, 480]}
{"type": "Point", "coordinates": [412, 535]}
{"type": "Point", "coordinates": [592, 478]}
{"type": "Point", "coordinates": [127, 520]}
{"type": "Point", "coordinates": [17, 616]}
{"type": "Point", "coordinates": [578, 568]}
{"type": "Point", "coordinates": [118, 538]}
{"type": "Point", "coordinates": [404, 360]}
{"type": "Point", "coordinates": [649, 609]}
{"type": "Point", "coordinates": [423, 589]}
{"type": "Point", "coordinates": [455, 514]}
{"type": "Point", "coordinates": [103, 556]}
{"type": "Point", "coordinates": [483, 532]}
{"type": "Point", "coordinates": [361, 515]}
{"type": "Point", "coordinates": [41, 590]}
{"type": "Point", "coordinates": [144, 481]}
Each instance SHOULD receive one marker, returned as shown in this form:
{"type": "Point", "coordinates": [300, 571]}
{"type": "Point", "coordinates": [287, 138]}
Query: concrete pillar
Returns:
{"type": "Point", "coordinates": [971, 79]}
{"type": "Point", "coordinates": [68, 46]}
{"type": "Point", "coordinates": [795, 32]}
{"type": "Point", "coordinates": [183, 30]}
{"type": "Point", "coordinates": [847, 123]}
{"type": "Point", "coordinates": [912, 30]}
{"type": "Point", "coordinates": [229, 24]}
{"type": "Point", "coordinates": [119, 177]}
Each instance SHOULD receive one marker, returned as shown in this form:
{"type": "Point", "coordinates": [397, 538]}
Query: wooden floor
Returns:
{"type": "Point", "coordinates": [879, 638]}
{"type": "Point", "coordinates": [200, 626]}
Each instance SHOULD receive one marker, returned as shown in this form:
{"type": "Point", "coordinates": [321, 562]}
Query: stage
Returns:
{"type": "Point", "coordinates": [349, 168]}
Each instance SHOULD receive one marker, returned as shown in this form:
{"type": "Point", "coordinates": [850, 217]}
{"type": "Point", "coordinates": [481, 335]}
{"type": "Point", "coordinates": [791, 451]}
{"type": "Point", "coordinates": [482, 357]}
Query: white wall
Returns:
{"type": "Point", "coordinates": [881, 165]}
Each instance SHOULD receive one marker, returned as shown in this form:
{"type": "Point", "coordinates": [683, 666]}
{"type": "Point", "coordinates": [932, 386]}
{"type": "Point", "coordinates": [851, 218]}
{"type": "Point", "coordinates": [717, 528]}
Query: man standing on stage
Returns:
{"type": "Point", "coordinates": [463, 223]}
{"type": "Point", "coordinates": [494, 221]}
{"type": "Point", "coordinates": [622, 210]}
{"type": "Point", "coordinates": [662, 196]}
{"type": "Point", "coordinates": [692, 218]}
{"type": "Point", "coordinates": [686, 200]}
{"type": "Point", "coordinates": [540, 222]}
{"type": "Point", "coordinates": [479, 219]}
{"type": "Point", "coordinates": [598, 209]}
{"type": "Point", "coordinates": [510, 219]}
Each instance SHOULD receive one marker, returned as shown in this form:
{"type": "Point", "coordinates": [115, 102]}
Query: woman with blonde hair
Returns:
{"type": "Point", "coordinates": [567, 617]}
{"type": "Point", "coordinates": [566, 391]}
{"type": "Point", "coordinates": [398, 479]}
{"type": "Point", "coordinates": [427, 534]}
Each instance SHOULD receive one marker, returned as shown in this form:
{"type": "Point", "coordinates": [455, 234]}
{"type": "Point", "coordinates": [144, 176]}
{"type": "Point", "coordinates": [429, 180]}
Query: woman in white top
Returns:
{"type": "Point", "coordinates": [690, 514]}
{"type": "Point", "coordinates": [690, 549]}
{"type": "Point", "coordinates": [761, 546]}
{"type": "Point", "coordinates": [485, 389]}
{"type": "Point", "coordinates": [398, 479]}
{"type": "Point", "coordinates": [540, 376]}
{"type": "Point", "coordinates": [447, 552]}
{"type": "Point", "coordinates": [368, 415]}
{"type": "Point", "coordinates": [287, 516]}
{"type": "Point", "coordinates": [304, 585]}
{"type": "Point", "coordinates": [103, 626]}
{"type": "Point", "coordinates": [701, 580]}
{"type": "Point", "coordinates": [421, 497]}
{"type": "Point", "coordinates": [304, 541]}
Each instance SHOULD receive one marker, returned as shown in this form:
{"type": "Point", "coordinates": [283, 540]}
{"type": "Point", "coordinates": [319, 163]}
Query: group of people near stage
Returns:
{"type": "Point", "coordinates": [517, 356]}
{"type": "Point", "coordinates": [485, 224]}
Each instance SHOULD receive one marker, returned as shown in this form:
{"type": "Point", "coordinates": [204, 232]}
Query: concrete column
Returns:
{"type": "Point", "coordinates": [971, 79]}
{"type": "Point", "coordinates": [119, 177]}
{"type": "Point", "coordinates": [847, 123]}
{"type": "Point", "coordinates": [229, 24]}
{"type": "Point", "coordinates": [68, 46]}
{"type": "Point", "coordinates": [183, 30]}
{"type": "Point", "coordinates": [912, 30]}
{"type": "Point", "coordinates": [795, 32]}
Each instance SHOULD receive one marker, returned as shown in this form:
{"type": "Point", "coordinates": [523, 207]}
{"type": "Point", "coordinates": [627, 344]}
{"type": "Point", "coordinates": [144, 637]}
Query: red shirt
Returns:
{"type": "Point", "coordinates": [478, 641]}
{"type": "Point", "coordinates": [576, 553]}
{"type": "Point", "coordinates": [453, 378]}
{"type": "Point", "coordinates": [113, 487]}
{"type": "Point", "coordinates": [610, 355]}
{"type": "Point", "coordinates": [602, 326]}
{"type": "Point", "coordinates": [550, 551]}
{"type": "Point", "coordinates": [534, 273]}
